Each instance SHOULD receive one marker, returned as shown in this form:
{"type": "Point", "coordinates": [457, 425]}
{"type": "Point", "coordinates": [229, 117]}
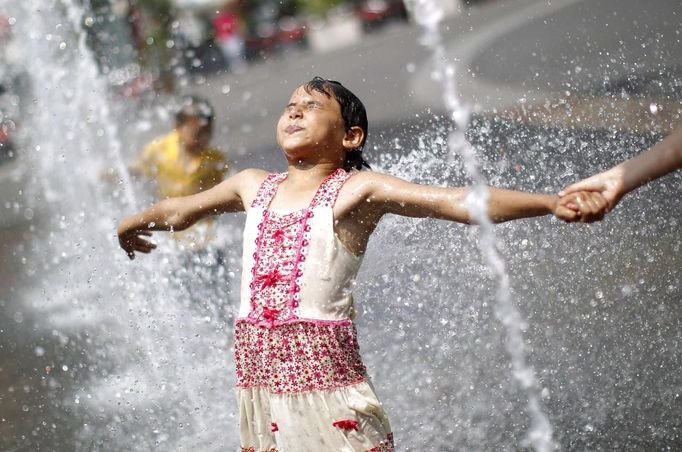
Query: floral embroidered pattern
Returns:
{"type": "Point", "coordinates": [346, 424]}
{"type": "Point", "coordinates": [386, 445]}
{"type": "Point", "coordinates": [253, 449]}
{"type": "Point", "coordinates": [298, 356]}
{"type": "Point", "coordinates": [275, 269]}
{"type": "Point", "coordinates": [281, 249]}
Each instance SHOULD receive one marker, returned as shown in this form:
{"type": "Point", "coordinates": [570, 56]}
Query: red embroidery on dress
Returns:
{"type": "Point", "coordinates": [281, 249]}
{"type": "Point", "coordinates": [297, 357]}
{"type": "Point", "coordinates": [273, 427]}
{"type": "Point", "coordinates": [253, 449]}
{"type": "Point", "coordinates": [346, 424]}
{"type": "Point", "coordinates": [386, 445]}
{"type": "Point", "coordinates": [264, 194]}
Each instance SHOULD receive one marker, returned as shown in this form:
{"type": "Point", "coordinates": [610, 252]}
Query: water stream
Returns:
{"type": "Point", "coordinates": [429, 14]}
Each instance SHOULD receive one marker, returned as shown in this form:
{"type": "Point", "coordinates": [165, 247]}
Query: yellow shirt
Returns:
{"type": "Point", "coordinates": [178, 176]}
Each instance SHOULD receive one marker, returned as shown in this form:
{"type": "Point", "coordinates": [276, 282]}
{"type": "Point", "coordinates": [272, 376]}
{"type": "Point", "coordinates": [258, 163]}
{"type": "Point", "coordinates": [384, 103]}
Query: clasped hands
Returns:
{"type": "Point", "coordinates": [590, 199]}
{"type": "Point", "coordinates": [581, 206]}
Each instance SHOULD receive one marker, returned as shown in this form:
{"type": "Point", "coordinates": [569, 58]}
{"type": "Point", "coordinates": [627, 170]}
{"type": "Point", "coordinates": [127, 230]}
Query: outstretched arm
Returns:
{"type": "Point", "coordinates": [616, 182]}
{"type": "Point", "coordinates": [392, 195]}
{"type": "Point", "coordinates": [180, 213]}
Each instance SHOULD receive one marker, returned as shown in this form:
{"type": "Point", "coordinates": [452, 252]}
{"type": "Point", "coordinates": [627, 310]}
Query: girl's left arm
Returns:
{"type": "Point", "coordinates": [393, 195]}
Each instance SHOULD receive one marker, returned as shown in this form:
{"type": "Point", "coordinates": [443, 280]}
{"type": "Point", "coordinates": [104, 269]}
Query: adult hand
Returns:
{"type": "Point", "coordinates": [609, 184]}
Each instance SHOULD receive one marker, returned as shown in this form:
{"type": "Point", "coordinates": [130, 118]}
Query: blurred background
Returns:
{"type": "Point", "coordinates": [98, 353]}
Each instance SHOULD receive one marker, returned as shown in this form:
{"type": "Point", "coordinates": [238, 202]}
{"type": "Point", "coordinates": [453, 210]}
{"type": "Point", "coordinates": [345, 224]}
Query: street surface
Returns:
{"type": "Point", "coordinates": [560, 90]}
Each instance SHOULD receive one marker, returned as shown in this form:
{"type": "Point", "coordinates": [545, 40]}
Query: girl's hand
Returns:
{"type": "Point", "coordinates": [132, 241]}
{"type": "Point", "coordinates": [587, 207]}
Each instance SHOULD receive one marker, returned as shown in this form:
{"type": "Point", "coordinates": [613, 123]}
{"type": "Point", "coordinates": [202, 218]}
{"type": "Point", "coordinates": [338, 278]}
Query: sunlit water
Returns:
{"type": "Point", "coordinates": [136, 356]}
{"type": "Point", "coordinates": [429, 15]}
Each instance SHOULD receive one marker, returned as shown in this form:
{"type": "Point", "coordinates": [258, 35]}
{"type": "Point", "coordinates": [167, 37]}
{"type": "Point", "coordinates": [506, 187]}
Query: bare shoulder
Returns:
{"type": "Point", "coordinates": [247, 182]}
{"type": "Point", "coordinates": [368, 182]}
{"type": "Point", "coordinates": [368, 178]}
{"type": "Point", "coordinates": [252, 175]}
{"type": "Point", "coordinates": [360, 189]}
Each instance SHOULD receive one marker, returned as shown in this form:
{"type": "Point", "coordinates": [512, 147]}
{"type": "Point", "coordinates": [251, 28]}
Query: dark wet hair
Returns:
{"type": "Point", "coordinates": [194, 107]}
{"type": "Point", "coordinates": [352, 111]}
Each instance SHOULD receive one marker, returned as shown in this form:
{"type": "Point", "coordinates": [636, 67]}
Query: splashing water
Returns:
{"type": "Point", "coordinates": [428, 14]}
{"type": "Point", "coordinates": [126, 368]}
{"type": "Point", "coordinates": [101, 353]}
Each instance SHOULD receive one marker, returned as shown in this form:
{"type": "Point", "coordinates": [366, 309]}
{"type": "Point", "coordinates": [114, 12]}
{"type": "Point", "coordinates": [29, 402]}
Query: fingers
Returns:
{"type": "Point", "coordinates": [566, 214]}
{"type": "Point", "coordinates": [578, 186]}
{"type": "Point", "coordinates": [142, 245]}
{"type": "Point", "coordinates": [591, 206]}
{"type": "Point", "coordinates": [136, 244]}
{"type": "Point", "coordinates": [589, 184]}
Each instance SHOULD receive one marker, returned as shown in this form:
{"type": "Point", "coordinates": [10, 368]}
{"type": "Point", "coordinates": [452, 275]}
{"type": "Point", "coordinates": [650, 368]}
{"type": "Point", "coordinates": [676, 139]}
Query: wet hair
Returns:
{"type": "Point", "coordinates": [194, 107]}
{"type": "Point", "coordinates": [352, 111]}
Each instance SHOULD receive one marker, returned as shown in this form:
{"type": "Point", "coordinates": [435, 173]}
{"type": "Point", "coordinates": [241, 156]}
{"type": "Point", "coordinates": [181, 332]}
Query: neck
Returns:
{"type": "Point", "coordinates": [304, 173]}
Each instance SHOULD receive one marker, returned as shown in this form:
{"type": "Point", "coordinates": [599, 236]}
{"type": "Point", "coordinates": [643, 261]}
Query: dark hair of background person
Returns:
{"type": "Point", "coordinates": [194, 107]}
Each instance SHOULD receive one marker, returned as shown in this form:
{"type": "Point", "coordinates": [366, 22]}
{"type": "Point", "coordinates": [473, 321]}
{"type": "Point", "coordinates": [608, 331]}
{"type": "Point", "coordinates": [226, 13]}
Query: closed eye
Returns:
{"type": "Point", "coordinates": [310, 105]}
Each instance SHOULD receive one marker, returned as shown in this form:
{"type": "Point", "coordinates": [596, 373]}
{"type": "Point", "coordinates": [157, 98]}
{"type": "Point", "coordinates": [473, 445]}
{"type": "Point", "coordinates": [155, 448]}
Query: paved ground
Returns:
{"type": "Point", "coordinates": [513, 57]}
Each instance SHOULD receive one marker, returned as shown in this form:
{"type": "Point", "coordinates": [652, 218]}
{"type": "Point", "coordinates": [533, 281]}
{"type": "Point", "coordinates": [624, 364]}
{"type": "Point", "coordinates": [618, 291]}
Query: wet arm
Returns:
{"type": "Point", "coordinates": [182, 212]}
{"type": "Point", "coordinates": [614, 183]}
{"type": "Point", "coordinates": [393, 195]}
{"type": "Point", "coordinates": [661, 159]}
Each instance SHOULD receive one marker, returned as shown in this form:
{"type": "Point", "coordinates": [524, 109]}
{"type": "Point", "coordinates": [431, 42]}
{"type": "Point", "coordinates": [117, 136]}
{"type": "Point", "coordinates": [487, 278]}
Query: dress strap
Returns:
{"type": "Point", "coordinates": [329, 190]}
{"type": "Point", "coordinates": [267, 190]}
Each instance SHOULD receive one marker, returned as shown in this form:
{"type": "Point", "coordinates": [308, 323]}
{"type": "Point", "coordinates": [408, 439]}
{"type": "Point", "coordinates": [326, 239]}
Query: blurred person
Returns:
{"type": "Point", "coordinates": [301, 383]}
{"type": "Point", "coordinates": [182, 162]}
{"type": "Point", "coordinates": [228, 33]}
{"type": "Point", "coordinates": [614, 183]}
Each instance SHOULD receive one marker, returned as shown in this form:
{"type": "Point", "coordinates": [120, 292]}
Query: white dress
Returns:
{"type": "Point", "coordinates": [301, 384]}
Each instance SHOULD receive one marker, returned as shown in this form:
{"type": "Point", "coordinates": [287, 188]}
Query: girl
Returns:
{"type": "Point", "coordinates": [301, 385]}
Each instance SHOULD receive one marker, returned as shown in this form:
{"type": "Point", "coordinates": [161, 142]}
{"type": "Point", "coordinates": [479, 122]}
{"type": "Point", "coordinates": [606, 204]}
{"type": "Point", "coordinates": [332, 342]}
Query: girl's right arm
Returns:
{"type": "Point", "coordinates": [180, 213]}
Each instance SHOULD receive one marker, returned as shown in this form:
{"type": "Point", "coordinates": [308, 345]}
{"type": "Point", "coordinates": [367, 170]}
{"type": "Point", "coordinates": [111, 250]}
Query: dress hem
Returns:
{"type": "Point", "coordinates": [386, 445]}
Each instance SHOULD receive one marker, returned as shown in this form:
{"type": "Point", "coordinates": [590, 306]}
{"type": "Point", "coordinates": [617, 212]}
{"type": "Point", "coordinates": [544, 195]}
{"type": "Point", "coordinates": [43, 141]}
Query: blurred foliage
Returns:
{"type": "Point", "coordinates": [317, 7]}
{"type": "Point", "coordinates": [162, 8]}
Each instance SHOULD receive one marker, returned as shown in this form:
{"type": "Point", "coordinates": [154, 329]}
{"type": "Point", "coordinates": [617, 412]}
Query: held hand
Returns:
{"type": "Point", "coordinates": [133, 241]}
{"type": "Point", "coordinates": [565, 212]}
{"type": "Point", "coordinates": [609, 184]}
{"type": "Point", "coordinates": [587, 206]}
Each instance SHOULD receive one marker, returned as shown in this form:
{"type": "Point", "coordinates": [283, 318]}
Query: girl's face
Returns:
{"type": "Point", "coordinates": [311, 127]}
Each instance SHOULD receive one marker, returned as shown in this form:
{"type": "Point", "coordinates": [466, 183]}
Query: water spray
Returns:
{"type": "Point", "coordinates": [428, 14]}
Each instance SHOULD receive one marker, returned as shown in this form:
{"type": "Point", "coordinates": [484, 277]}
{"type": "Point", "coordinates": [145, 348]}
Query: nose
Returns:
{"type": "Point", "coordinates": [295, 112]}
